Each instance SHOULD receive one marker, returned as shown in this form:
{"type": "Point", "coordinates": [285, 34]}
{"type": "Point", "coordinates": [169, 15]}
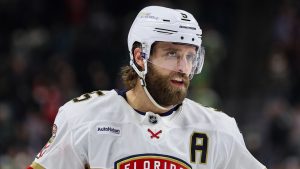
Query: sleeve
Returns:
{"type": "Point", "coordinates": [241, 158]}
{"type": "Point", "coordinates": [236, 132]}
{"type": "Point", "coordinates": [238, 155]}
{"type": "Point", "coordinates": [59, 152]}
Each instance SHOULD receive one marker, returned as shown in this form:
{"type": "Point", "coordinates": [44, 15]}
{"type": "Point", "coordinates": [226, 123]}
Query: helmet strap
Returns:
{"type": "Point", "coordinates": [142, 76]}
{"type": "Point", "coordinates": [151, 98]}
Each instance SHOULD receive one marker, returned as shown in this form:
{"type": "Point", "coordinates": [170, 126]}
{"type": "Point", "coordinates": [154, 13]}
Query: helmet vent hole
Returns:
{"type": "Point", "coordinates": [193, 39]}
{"type": "Point", "coordinates": [166, 20]}
{"type": "Point", "coordinates": [181, 37]}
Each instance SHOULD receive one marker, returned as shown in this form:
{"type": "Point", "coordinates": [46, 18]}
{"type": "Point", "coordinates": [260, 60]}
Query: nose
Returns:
{"type": "Point", "coordinates": [183, 66]}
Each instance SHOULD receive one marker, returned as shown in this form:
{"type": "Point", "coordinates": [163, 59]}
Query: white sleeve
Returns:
{"type": "Point", "coordinates": [59, 152]}
{"type": "Point", "coordinates": [236, 132]}
{"type": "Point", "coordinates": [232, 151]}
{"type": "Point", "coordinates": [241, 158]}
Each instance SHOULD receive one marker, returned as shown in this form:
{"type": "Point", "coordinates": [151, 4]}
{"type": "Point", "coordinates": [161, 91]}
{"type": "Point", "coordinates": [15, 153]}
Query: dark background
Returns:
{"type": "Point", "coordinates": [54, 50]}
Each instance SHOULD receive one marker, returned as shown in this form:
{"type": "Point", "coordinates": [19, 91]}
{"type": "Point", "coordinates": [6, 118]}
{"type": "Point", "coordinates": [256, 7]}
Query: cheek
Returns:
{"type": "Point", "coordinates": [166, 73]}
{"type": "Point", "coordinates": [164, 64]}
{"type": "Point", "coordinates": [158, 72]}
{"type": "Point", "coordinates": [161, 70]}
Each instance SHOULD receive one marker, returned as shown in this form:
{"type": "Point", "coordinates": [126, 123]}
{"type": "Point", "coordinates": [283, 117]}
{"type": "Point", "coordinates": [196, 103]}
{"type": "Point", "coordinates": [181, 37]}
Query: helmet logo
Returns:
{"type": "Point", "coordinates": [184, 15]}
{"type": "Point", "coordinates": [147, 15]}
{"type": "Point", "coordinates": [187, 27]}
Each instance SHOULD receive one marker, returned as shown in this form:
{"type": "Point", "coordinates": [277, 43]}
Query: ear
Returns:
{"type": "Point", "coordinates": [137, 55]}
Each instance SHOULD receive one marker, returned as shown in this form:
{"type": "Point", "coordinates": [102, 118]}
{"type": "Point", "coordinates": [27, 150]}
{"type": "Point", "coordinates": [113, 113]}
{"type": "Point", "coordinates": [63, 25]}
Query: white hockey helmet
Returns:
{"type": "Point", "coordinates": [155, 23]}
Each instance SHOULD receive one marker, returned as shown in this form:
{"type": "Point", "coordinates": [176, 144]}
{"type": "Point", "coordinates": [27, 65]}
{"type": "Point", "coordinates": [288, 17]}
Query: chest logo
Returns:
{"type": "Point", "coordinates": [151, 161]}
{"type": "Point", "coordinates": [110, 130]}
{"type": "Point", "coordinates": [154, 135]}
{"type": "Point", "coordinates": [152, 119]}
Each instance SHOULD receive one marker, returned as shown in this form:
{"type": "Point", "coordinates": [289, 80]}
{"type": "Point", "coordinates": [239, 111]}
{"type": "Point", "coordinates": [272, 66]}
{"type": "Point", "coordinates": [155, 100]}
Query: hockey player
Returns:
{"type": "Point", "coordinates": [151, 125]}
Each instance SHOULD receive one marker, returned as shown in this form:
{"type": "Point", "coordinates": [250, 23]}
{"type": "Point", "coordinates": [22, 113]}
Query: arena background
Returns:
{"type": "Point", "coordinates": [54, 50]}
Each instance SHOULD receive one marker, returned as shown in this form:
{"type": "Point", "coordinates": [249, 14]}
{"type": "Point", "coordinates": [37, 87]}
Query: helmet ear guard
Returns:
{"type": "Point", "coordinates": [135, 66]}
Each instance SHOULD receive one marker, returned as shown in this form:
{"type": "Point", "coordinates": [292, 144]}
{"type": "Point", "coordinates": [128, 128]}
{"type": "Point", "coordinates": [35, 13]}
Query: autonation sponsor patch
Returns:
{"type": "Point", "coordinates": [151, 161]}
{"type": "Point", "coordinates": [107, 129]}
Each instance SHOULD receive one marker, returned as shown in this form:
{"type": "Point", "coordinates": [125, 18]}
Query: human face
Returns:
{"type": "Point", "coordinates": [168, 87]}
{"type": "Point", "coordinates": [174, 56]}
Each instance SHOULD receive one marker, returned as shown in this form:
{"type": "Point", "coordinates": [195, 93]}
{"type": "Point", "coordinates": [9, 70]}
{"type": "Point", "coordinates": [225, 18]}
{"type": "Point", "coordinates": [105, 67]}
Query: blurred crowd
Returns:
{"type": "Point", "coordinates": [53, 51]}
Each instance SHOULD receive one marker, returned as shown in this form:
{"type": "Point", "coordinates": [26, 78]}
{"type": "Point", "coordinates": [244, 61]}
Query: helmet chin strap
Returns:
{"type": "Point", "coordinates": [143, 83]}
{"type": "Point", "coordinates": [142, 75]}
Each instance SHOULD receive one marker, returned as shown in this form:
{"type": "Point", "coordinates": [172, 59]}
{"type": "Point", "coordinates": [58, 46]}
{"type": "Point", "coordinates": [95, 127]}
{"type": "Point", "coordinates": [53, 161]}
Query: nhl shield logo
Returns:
{"type": "Point", "coordinates": [151, 161]}
{"type": "Point", "coordinates": [152, 119]}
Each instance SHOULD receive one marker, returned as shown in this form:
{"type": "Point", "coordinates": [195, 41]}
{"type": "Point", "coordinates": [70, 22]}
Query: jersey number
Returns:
{"type": "Point", "coordinates": [87, 96]}
{"type": "Point", "coordinates": [199, 143]}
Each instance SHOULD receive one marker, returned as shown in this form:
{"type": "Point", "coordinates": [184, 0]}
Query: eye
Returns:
{"type": "Point", "coordinates": [171, 54]}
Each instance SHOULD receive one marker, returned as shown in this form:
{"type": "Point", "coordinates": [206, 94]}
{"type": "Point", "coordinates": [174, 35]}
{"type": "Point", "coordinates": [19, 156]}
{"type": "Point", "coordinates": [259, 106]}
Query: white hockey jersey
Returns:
{"type": "Point", "coordinates": [100, 130]}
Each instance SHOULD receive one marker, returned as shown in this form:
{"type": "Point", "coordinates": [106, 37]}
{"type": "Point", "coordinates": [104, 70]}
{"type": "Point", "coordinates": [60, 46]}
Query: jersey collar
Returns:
{"type": "Point", "coordinates": [122, 93]}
